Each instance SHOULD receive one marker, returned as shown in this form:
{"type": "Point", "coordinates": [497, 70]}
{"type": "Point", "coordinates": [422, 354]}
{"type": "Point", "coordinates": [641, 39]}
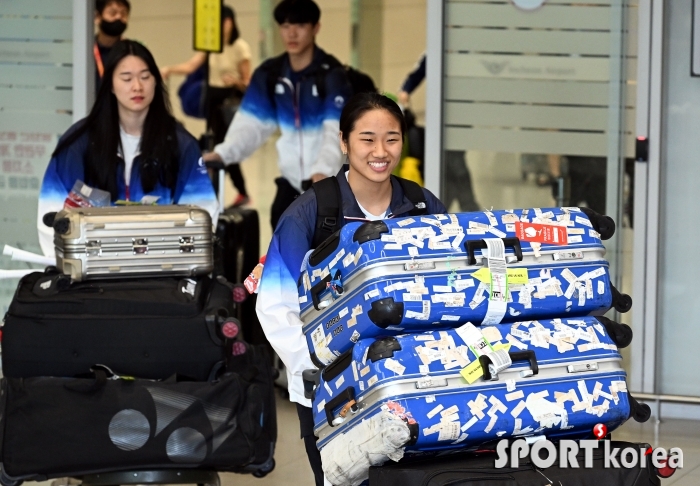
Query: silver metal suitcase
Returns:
{"type": "Point", "coordinates": [129, 241]}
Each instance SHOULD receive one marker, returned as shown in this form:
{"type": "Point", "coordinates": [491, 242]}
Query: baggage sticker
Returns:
{"type": "Point", "coordinates": [541, 233]}
{"type": "Point", "coordinates": [435, 411]}
{"type": "Point", "coordinates": [472, 372]}
{"type": "Point", "coordinates": [406, 222]}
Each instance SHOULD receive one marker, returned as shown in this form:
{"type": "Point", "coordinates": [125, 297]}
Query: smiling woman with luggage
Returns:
{"type": "Point", "coordinates": [129, 145]}
{"type": "Point", "coordinates": [371, 136]}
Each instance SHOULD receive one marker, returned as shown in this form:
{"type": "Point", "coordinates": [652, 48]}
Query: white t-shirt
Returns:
{"type": "Point", "coordinates": [227, 61]}
{"type": "Point", "coordinates": [368, 215]}
{"type": "Point", "coordinates": [131, 148]}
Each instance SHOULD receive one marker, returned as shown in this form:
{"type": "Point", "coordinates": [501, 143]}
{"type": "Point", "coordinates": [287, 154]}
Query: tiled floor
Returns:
{"type": "Point", "coordinates": [497, 183]}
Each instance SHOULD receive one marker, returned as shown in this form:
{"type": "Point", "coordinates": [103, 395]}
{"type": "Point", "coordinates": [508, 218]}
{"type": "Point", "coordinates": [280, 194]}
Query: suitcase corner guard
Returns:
{"type": "Point", "coordinates": [371, 230]}
{"type": "Point", "coordinates": [386, 312]}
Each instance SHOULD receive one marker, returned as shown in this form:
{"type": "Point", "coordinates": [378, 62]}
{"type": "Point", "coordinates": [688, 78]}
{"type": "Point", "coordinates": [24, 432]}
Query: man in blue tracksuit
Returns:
{"type": "Point", "coordinates": [299, 93]}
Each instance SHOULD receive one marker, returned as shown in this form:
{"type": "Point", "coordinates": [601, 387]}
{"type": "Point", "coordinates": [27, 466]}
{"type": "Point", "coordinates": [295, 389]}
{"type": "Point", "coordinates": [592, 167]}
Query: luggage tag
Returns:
{"type": "Point", "coordinates": [336, 284]}
{"type": "Point", "coordinates": [498, 301]}
{"type": "Point", "coordinates": [479, 345]}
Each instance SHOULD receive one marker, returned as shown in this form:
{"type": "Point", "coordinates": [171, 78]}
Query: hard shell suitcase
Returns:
{"type": "Point", "coordinates": [238, 252]}
{"type": "Point", "coordinates": [133, 241]}
{"type": "Point", "coordinates": [479, 470]}
{"type": "Point", "coordinates": [566, 376]}
{"type": "Point", "coordinates": [150, 328]}
{"type": "Point", "coordinates": [54, 427]}
{"type": "Point", "coordinates": [412, 274]}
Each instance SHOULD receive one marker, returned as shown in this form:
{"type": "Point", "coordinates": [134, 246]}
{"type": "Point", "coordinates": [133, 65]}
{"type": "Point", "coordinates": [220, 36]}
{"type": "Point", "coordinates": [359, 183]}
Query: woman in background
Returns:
{"type": "Point", "coordinates": [130, 145]}
{"type": "Point", "coordinates": [228, 78]}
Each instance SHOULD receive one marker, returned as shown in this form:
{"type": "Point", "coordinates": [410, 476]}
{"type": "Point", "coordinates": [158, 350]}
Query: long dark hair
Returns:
{"type": "Point", "coordinates": [360, 104]}
{"type": "Point", "coordinates": [228, 13]}
{"type": "Point", "coordinates": [159, 147]}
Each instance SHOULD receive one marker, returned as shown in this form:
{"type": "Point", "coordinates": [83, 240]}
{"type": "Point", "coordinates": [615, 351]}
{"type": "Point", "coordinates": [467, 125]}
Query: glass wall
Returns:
{"type": "Point", "coordinates": [677, 323]}
{"type": "Point", "coordinates": [537, 109]}
{"type": "Point", "coordinates": [35, 108]}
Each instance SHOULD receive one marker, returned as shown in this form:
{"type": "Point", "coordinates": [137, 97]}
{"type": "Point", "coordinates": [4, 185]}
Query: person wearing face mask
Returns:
{"type": "Point", "coordinates": [130, 145]}
{"type": "Point", "coordinates": [112, 17]}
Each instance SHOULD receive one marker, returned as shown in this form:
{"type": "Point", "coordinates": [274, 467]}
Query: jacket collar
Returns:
{"type": "Point", "coordinates": [319, 56]}
{"type": "Point", "coordinates": [351, 210]}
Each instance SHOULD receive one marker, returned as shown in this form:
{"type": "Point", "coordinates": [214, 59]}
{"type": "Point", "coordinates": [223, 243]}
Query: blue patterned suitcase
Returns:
{"type": "Point", "coordinates": [419, 273]}
{"type": "Point", "coordinates": [566, 377]}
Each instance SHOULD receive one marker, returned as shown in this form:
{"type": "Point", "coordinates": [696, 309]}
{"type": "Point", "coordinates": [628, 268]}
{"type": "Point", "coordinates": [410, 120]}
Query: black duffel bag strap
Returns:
{"type": "Point", "coordinates": [414, 192]}
{"type": "Point", "coordinates": [329, 212]}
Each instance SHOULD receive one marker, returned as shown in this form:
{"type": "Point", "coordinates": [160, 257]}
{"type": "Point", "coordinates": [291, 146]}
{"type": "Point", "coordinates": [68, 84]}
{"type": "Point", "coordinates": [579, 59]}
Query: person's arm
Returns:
{"type": "Point", "coordinates": [187, 67]}
{"type": "Point", "coordinates": [413, 79]}
{"type": "Point", "coordinates": [194, 185]}
{"type": "Point", "coordinates": [52, 195]}
{"type": "Point", "coordinates": [329, 159]}
{"type": "Point", "coordinates": [252, 124]}
{"type": "Point", "coordinates": [278, 301]}
{"type": "Point", "coordinates": [244, 67]}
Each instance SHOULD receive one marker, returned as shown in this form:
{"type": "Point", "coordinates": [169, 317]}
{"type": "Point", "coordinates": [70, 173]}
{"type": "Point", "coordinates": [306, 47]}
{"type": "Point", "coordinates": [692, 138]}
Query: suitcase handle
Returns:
{"type": "Point", "coordinates": [347, 396]}
{"type": "Point", "coordinates": [317, 289]}
{"type": "Point", "coordinates": [324, 250]}
{"type": "Point", "coordinates": [472, 245]}
{"type": "Point", "coordinates": [528, 355]}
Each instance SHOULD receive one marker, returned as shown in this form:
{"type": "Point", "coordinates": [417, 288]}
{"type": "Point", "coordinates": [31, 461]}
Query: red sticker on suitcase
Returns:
{"type": "Point", "coordinates": [541, 233]}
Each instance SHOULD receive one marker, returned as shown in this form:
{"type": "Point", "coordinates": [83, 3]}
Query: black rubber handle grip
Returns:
{"type": "Point", "coordinates": [325, 249]}
{"type": "Point", "coordinates": [317, 289]}
{"type": "Point", "coordinates": [340, 364]}
{"type": "Point", "coordinates": [345, 396]}
{"type": "Point", "coordinates": [472, 245]}
{"type": "Point", "coordinates": [528, 355]}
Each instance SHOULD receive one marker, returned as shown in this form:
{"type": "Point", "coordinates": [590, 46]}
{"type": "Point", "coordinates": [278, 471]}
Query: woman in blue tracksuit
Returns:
{"type": "Point", "coordinates": [371, 136]}
{"type": "Point", "coordinates": [129, 145]}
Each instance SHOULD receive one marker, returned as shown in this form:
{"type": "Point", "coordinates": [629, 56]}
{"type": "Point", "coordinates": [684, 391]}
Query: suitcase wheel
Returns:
{"type": "Point", "coordinates": [230, 328]}
{"type": "Point", "coordinates": [621, 302]}
{"type": "Point", "coordinates": [238, 348]}
{"type": "Point", "coordinates": [240, 294]}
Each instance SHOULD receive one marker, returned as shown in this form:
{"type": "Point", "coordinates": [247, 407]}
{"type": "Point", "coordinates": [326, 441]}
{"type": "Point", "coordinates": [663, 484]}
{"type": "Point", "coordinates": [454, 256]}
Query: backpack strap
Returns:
{"type": "Point", "coordinates": [415, 194]}
{"type": "Point", "coordinates": [273, 69]}
{"type": "Point", "coordinates": [329, 213]}
{"type": "Point", "coordinates": [327, 65]}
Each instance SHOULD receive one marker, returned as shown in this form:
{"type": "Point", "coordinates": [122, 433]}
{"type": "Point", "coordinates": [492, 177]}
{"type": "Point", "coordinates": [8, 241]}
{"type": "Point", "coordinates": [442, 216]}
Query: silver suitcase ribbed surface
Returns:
{"type": "Point", "coordinates": [128, 241]}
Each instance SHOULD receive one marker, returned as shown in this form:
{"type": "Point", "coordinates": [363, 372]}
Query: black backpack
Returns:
{"type": "Point", "coordinates": [359, 81]}
{"type": "Point", "coordinates": [329, 215]}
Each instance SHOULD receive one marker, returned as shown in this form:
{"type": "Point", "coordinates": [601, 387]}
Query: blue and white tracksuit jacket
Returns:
{"type": "Point", "coordinates": [309, 125]}
{"type": "Point", "coordinates": [193, 184]}
{"type": "Point", "coordinates": [278, 302]}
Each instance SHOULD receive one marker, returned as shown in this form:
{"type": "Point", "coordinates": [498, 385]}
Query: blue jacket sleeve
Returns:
{"type": "Point", "coordinates": [194, 185]}
{"type": "Point", "coordinates": [278, 300]}
{"type": "Point", "coordinates": [415, 77]}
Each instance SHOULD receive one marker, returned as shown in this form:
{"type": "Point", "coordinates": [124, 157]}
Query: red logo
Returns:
{"type": "Point", "coordinates": [600, 431]}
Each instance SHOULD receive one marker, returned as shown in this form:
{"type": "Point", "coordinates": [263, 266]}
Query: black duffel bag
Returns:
{"type": "Point", "coordinates": [151, 328]}
{"type": "Point", "coordinates": [55, 427]}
